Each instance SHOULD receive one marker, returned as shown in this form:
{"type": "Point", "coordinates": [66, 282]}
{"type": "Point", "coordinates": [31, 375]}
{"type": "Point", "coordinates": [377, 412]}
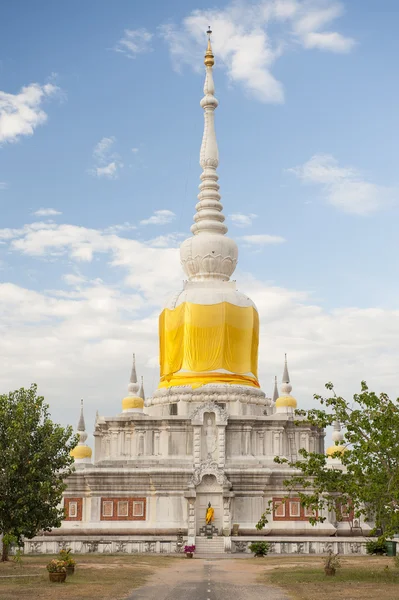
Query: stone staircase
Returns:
{"type": "Point", "coordinates": [205, 546]}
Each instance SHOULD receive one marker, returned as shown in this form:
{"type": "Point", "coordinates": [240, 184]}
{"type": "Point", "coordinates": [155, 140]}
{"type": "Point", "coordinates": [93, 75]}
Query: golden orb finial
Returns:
{"type": "Point", "coordinates": [209, 58]}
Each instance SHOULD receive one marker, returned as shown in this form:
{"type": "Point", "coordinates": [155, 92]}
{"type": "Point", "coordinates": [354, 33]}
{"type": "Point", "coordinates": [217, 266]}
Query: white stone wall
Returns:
{"type": "Point", "coordinates": [172, 545]}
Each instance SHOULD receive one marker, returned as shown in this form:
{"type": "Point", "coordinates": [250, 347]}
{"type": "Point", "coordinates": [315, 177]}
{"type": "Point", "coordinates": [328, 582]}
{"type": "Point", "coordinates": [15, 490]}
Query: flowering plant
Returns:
{"type": "Point", "coordinates": [65, 555]}
{"type": "Point", "coordinates": [189, 549]}
{"type": "Point", "coordinates": [56, 566]}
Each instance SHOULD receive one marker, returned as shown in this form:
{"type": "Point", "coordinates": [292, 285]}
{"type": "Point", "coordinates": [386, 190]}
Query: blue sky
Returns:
{"type": "Point", "coordinates": [100, 122]}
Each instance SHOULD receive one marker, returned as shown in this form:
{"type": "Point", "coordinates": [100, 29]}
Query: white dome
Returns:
{"type": "Point", "coordinates": [209, 293]}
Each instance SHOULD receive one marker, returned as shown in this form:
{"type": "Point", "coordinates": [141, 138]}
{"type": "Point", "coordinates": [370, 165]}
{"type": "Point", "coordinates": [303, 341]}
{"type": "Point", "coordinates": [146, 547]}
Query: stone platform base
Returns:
{"type": "Point", "coordinates": [111, 544]}
{"type": "Point", "coordinates": [302, 545]}
{"type": "Point", "coordinates": [105, 544]}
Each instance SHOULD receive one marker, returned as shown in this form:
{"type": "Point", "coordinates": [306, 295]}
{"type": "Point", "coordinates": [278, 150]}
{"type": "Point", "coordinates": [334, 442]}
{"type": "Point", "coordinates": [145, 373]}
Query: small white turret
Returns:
{"type": "Point", "coordinates": [286, 403]}
{"type": "Point", "coordinates": [82, 452]}
{"type": "Point", "coordinates": [337, 437]}
{"type": "Point", "coordinates": [133, 403]}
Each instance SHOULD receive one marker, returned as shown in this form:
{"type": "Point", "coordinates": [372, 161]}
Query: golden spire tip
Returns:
{"type": "Point", "coordinates": [209, 58]}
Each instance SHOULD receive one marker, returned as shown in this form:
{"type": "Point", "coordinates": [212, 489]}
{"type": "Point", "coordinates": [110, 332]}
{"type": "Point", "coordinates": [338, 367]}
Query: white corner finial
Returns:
{"type": "Point", "coordinates": [337, 435]}
{"type": "Point", "coordinates": [275, 391]}
{"type": "Point", "coordinates": [133, 386]}
{"type": "Point", "coordinates": [286, 385]}
{"type": "Point", "coordinates": [81, 429]}
{"type": "Point", "coordinates": [141, 391]}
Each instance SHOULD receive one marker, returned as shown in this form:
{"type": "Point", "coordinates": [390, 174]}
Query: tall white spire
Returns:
{"type": "Point", "coordinates": [209, 217]}
{"type": "Point", "coordinates": [210, 255]}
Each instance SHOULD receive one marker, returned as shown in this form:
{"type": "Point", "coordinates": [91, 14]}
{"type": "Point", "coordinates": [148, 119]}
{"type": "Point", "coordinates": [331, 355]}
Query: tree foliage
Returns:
{"type": "Point", "coordinates": [35, 461]}
{"type": "Point", "coordinates": [368, 480]}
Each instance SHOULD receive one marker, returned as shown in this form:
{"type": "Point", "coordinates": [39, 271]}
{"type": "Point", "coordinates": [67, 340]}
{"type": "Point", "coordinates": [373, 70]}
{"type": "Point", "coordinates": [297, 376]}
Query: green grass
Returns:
{"type": "Point", "coordinates": [359, 578]}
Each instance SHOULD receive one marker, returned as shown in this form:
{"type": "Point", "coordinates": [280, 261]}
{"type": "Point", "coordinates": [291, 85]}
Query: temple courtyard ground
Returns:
{"type": "Point", "coordinates": [151, 577]}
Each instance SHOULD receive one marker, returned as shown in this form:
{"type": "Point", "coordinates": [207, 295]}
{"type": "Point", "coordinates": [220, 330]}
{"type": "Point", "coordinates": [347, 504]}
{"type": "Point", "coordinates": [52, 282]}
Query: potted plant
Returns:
{"type": "Point", "coordinates": [69, 561]}
{"type": "Point", "coordinates": [56, 570]}
{"type": "Point", "coordinates": [331, 563]}
{"type": "Point", "coordinates": [189, 551]}
{"type": "Point", "coordinates": [259, 548]}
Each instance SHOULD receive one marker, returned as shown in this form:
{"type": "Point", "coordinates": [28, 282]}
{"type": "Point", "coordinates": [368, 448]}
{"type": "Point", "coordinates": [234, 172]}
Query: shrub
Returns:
{"type": "Point", "coordinates": [189, 549]}
{"type": "Point", "coordinates": [66, 556]}
{"type": "Point", "coordinates": [259, 548]}
{"type": "Point", "coordinates": [376, 546]}
{"type": "Point", "coordinates": [331, 561]}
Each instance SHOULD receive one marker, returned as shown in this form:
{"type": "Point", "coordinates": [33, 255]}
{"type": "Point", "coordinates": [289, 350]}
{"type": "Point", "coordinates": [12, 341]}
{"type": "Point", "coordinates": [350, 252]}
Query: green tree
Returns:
{"type": "Point", "coordinates": [35, 461]}
{"type": "Point", "coordinates": [368, 480]}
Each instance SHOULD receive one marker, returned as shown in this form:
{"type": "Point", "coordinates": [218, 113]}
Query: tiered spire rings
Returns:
{"type": "Point", "coordinates": [210, 255]}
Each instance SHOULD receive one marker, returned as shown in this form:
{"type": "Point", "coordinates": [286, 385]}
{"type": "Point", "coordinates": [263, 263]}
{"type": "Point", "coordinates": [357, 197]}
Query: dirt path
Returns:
{"type": "Point", "coordinates": [208, 579]}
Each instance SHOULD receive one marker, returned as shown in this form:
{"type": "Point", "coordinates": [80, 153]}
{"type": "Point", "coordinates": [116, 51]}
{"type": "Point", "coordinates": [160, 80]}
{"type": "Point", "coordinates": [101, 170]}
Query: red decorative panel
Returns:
{"type": "Point", "coordinates": [123, 509]}
{"type": "Point", "coordinates": [290, 509]}
{"type": "Point", "coordinates": [73, 509]}
{"type": "Point", "coordinates": [344, 512]}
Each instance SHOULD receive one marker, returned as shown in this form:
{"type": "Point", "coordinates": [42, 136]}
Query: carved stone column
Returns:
{"type": "Point", "coordinates": [261, 443]}
{"type": "Point", "coordinates": [277, 450]}
{"type": "Point", "coordinates": [247, 439]}
{"type": "Point", "coordinates": [226, 514]}
{"type": "Point", "coordinates": [156, 442]}
{"type": "Point", "coordinates": [191, 516]}
{"type": "Point", "coordinates": [140, 442]}
{"type": "Point", "coordinates": [128, 443]}
{"type": "Point", "coordinates": [114, 442]}
{"type": "Point", "coordinates": [197, 445]}
{"type": "Point", "coordinates": [221, 446]}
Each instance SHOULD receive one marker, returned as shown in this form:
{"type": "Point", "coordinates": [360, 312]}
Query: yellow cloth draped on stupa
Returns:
{"type": "Point", "coordinates": [197, 340]}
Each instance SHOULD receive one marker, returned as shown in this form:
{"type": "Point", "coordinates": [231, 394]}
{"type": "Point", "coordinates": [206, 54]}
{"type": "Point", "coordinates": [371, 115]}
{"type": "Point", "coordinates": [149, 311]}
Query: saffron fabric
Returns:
{"type": "Point", "coordinates": [199, 338]}
{"type": "Point", "coordinates": [196, 380]}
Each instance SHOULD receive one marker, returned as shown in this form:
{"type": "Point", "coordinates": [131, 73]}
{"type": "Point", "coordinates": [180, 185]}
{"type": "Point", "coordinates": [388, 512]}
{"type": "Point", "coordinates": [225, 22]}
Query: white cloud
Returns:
{"type": "Point", "coordinates": [73, 279]}
{"type": "Point", "coordinates": [151, 266]}
{"type": "Point", "coordinates": [107, 162]}
{"type": "Point", "coordinates": [21, 113]}
{"type": "Point", "coordinates": [126, 226]}
{"type": "Point", "coordinates": [109, 170]}
{"type": "Point", "coordinates": [311, 17]}
{"type": "Point", "coordinates": [333, 41]}
{"type": "Point", "coordinates": [134, 42]}
{"type": "Point", "coordinates": [344, 187]}
{"type": "Point", "coordinates": [250, 37]}
{"type": "Point", "coordinates": [3, 185]}
{"type": "Point", "coordinates": [78, 343]}
{"type": "Point", "coordinates": [241, 220]}
{"type": "Point", "coordinates": [170, 240]}
{"type": "Point", "coordinates": [135, 150]}
{"type": "Point", "coordinates": [160, 217]}
{"type": "Point", "coordinates": [102, 148]}
{"type": "Point", "coordinates": [259, 240]}
{"type": "Point", "coordinates": [47, 212]}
